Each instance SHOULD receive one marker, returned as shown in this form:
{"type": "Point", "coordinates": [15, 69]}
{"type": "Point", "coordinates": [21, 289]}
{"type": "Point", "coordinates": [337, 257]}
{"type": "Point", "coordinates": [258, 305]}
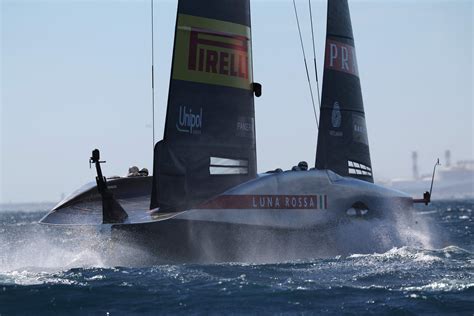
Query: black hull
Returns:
{"type": "Point", "coordinates": [201, 241]}
{"type": "Point", "coordinates": [183, 241]}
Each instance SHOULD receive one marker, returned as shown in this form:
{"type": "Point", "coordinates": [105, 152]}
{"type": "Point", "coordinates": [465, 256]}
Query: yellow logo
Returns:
{"type": "Point", "coordinates": [212, 52]}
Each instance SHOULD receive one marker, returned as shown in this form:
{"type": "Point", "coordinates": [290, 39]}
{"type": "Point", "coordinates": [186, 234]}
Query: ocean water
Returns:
{"type": "Point", "coordinates": [49, 270]}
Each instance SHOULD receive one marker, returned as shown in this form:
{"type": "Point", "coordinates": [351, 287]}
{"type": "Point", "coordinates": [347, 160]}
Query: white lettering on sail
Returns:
{"type": "Point", "coordinates": [359, 129]}
{"type": "Point", "coordinates": [188, 122]}
{"type": "Point", "coordinates": [245, 127]}
{"type": "Point", "coordinates": [341, 57]}
{"type": "Point", "coordinates": [333, 50]}
{"type": "Point", "coordinates": [345, 59]}
{"type": "Point", "coordinates": [354, 62]}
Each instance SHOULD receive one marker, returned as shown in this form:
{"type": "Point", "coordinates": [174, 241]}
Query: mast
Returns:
{"type": "Point", "coordinates": [152, 75]}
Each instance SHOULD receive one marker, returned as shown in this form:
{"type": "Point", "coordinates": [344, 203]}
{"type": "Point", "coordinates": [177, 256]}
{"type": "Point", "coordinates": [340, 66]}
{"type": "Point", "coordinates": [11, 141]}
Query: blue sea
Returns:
{"type": "Point", "coordinates": [49, 270]}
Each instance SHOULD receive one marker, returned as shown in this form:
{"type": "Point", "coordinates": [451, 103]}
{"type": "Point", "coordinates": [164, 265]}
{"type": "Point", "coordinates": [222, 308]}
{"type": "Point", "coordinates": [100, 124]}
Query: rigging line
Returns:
{"type": "Point", "coordinates": [314, 54]}
{"type": "Point", "coordinates": [152, 77]}
{"type": "Point", "coordinates": [306, 65]}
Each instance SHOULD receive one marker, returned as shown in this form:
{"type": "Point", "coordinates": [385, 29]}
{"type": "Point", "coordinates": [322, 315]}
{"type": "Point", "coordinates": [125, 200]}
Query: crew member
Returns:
{"type": "Point", "coordinates": [302, 166]}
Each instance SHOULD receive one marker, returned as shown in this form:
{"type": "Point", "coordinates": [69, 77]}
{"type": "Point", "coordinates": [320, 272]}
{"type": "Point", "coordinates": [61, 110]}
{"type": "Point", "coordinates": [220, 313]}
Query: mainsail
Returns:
{"type": "Point", "coordinates": [343, 145]}
{"type": "Point", "coordinates": [209, 140]}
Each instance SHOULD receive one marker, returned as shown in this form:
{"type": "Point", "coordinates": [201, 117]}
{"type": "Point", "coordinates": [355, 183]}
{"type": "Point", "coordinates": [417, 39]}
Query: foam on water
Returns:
{"type": "Point", "coordinates": [40, 248]}
{"type": "Point", "coordinates": [443, 285]}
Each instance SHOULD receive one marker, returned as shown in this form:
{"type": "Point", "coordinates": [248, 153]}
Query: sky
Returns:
{"type": "Point", "coordinates": [75, 75]}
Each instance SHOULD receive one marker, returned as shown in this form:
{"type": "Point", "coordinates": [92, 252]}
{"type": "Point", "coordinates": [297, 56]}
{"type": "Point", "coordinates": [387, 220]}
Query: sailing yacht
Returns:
{"type": "Point", "coordinates": [205, 192]}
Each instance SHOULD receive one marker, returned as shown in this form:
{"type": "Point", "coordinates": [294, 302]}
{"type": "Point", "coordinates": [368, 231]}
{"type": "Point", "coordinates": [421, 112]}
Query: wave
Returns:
{"type": "Point", "coordinates": [360, 271]}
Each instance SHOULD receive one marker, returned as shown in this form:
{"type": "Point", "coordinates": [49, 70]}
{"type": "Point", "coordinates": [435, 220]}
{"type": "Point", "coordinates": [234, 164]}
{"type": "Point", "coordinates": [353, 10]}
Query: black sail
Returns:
{"type": "Point", "coordinates": [343, 145]}
{"type": "Point", "coordinates": [209, 139]}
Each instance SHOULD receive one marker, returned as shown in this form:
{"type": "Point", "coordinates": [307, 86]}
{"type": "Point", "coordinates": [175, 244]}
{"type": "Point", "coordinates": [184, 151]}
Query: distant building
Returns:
{"type": "Point", "coordinates": [451, 181]}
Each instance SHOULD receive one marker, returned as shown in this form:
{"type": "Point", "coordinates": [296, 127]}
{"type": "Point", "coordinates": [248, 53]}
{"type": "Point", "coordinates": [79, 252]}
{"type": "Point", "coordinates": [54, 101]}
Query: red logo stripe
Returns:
{"type": "Point", "coordinates": [266, 202]}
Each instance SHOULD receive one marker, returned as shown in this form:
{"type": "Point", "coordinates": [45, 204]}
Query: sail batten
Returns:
{"type": "Point", "coordinates": [343, 145]}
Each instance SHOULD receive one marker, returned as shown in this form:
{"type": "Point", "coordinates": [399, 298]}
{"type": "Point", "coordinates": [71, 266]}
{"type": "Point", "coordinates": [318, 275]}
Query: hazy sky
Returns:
{"type": "Point", "coordinates": [75, 75]}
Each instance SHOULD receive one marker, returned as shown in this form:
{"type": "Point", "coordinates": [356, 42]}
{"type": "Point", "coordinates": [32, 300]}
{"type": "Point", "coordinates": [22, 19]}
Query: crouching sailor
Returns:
{"type": "Point", "coordinates": [135, 172]}
{"type": "Point", "coordinates": [302, 166]}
